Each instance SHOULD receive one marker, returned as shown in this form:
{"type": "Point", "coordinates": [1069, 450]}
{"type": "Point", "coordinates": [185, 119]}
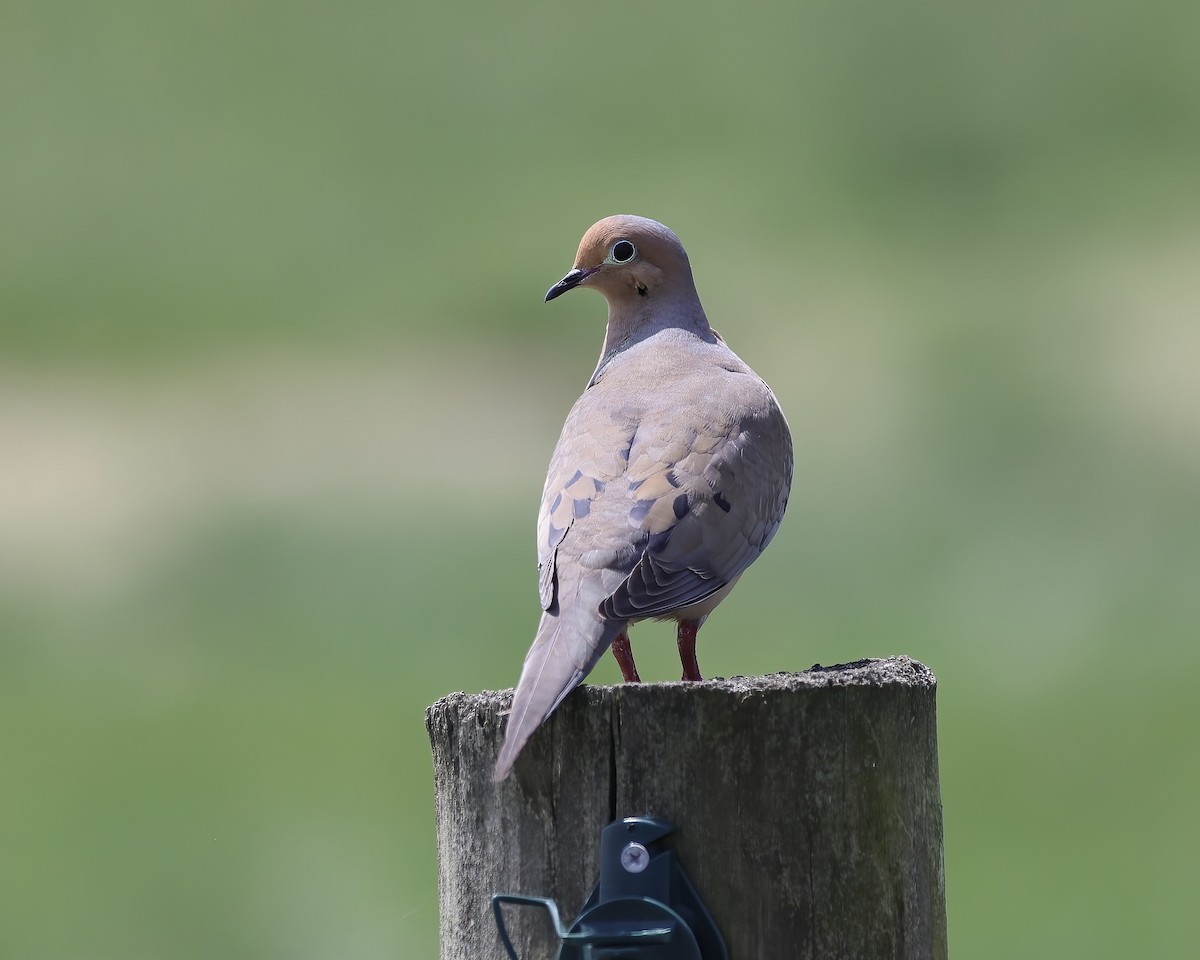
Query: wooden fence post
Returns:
{"type": "Point", "coordinates": [808, 808]}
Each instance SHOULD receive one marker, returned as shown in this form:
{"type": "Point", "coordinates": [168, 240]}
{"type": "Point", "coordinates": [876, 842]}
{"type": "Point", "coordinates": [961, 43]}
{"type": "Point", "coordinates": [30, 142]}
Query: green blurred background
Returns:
{"type": "Point", "coordinates": [277, 390]}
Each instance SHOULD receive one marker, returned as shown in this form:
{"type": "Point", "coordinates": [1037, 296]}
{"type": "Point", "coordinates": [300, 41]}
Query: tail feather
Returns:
{"type": "Point", "coordinates": [564, 651]}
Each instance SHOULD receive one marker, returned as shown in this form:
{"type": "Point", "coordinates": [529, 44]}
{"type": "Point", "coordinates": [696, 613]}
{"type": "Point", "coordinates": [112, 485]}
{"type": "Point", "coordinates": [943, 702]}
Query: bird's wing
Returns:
{"type": "Point", "coordinates": [583, 479]}
{"type": "Point", "coordinates": [709, 483]}
{"type": "Point", "coordinates": [584, 551]}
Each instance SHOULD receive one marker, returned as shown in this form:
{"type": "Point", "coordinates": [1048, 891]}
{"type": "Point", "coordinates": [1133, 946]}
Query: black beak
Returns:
{"type": "Point", "coordinates": [569, 282]}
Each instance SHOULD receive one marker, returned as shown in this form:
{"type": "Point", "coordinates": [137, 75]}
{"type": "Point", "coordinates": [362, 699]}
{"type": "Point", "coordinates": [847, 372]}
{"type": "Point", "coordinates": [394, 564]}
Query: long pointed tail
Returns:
{"type": "Point", "coordinates": [564, 651]}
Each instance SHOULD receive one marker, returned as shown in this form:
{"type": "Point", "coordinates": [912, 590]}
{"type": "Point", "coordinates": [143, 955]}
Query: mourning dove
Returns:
{"type": "Point", "coordinates": [669, 479]}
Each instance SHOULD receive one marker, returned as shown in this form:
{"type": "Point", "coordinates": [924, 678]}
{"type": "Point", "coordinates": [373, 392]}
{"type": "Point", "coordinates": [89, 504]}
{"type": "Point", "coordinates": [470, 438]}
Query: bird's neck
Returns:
{"type": "Point", "coordinates": [636, 318]}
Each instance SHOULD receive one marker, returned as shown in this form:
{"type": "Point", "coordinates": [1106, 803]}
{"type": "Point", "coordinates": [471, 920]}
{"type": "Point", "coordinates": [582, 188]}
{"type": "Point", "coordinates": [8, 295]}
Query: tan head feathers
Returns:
{"type": "Point", "coordinates": [626, 256]}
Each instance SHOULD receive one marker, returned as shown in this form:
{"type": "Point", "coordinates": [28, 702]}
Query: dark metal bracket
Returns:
{"type": "Point", "coordinates": [643, 908]}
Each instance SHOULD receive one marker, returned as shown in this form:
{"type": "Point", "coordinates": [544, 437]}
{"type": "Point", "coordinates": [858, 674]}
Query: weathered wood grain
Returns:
{"type": "Point", "coordinates": [808, 808]}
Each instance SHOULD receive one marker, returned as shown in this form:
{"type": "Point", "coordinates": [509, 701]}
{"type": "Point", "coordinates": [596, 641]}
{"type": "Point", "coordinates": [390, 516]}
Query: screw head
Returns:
{"type": "Point", "coordinates": [635, 858]}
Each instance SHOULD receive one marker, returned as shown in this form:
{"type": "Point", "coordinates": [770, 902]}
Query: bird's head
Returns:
{"type": "Point", "coordinates": [627, 258]}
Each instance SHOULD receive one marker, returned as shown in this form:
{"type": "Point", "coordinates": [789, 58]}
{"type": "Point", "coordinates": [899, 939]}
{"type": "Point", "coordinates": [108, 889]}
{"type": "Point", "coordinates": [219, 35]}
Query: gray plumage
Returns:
{"type": "Point", "coordinates": [669, 479]}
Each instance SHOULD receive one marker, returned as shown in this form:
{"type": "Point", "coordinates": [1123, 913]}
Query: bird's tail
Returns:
{"type": "Point", "coordinates": [568, 644]}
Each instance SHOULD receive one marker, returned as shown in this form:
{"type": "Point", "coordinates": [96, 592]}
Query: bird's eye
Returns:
{"type": "Point", "coordinates": [622, 251]}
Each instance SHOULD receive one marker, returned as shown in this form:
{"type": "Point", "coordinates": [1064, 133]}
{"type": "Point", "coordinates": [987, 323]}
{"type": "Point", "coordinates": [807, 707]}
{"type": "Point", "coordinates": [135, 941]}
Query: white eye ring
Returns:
{"type": "Point", "coordinates": [622, 251]}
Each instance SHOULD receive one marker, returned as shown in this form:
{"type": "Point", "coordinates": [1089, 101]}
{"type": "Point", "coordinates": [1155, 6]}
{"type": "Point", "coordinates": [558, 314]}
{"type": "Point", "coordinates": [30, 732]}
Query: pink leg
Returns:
{"type": "Point", "coordinates": [686, 638]}
{"type": "Point", "coordinates": [624, 654]}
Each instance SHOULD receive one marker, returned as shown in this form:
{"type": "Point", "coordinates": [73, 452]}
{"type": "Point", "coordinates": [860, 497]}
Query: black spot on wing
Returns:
{"type": "Point", "coordinates": [640, 509]}
{"type": "Point", "coordinates": [680, 506]}
{"type": "Point", "coordinates": [721, 502]}
{"type": "Point", "coordinates": [548, 581]}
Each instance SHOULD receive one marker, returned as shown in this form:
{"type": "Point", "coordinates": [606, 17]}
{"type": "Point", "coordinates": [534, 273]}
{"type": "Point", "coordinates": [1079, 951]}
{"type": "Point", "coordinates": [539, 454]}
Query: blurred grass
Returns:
{"type": "Point", "coordinates": [184, 178]}
{"type": "Point", "coordinates": [276, 393]}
